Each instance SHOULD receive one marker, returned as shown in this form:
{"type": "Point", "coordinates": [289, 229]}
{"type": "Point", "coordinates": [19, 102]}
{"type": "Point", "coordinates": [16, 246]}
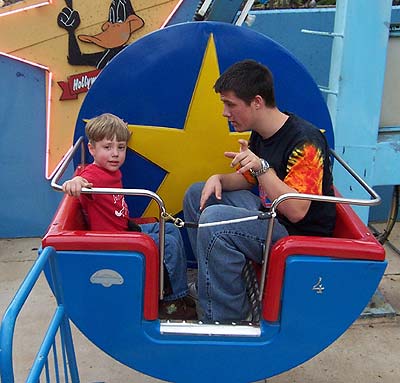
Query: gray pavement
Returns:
{"type": "Point", "coordinates": [368, 352]}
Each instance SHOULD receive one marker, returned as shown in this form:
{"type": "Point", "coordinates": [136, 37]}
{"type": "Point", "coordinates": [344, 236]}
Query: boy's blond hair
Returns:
{"type": "Point", "coordinates": [107, 126]}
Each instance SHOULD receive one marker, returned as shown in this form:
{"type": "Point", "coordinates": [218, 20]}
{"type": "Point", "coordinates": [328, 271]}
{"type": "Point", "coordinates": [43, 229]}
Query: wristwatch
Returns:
{"type": "Point", "coordinates": [264, 167]}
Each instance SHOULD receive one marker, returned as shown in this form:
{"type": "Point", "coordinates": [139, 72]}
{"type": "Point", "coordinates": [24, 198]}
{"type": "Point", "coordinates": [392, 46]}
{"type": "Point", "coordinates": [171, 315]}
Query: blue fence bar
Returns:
{"type": "Point", "coordinates": [59, 323]}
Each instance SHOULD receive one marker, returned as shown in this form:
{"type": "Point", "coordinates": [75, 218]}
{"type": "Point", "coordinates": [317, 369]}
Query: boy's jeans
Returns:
{"type": "Point", "coordinates": [174, 257]}
{"type": "Point", "coordinates": [221, 251]}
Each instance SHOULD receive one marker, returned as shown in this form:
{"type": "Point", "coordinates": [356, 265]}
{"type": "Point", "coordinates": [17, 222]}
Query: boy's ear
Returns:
{"type": "Point", "coordinates": [91, 148]}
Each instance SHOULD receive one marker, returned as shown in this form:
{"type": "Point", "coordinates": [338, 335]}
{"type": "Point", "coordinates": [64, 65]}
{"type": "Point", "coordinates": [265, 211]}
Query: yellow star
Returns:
{"type": "Point", "coordinates": [195, 152]}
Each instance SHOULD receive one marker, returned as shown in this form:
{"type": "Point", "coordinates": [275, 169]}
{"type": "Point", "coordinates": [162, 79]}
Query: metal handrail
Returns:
{"type": "Point", "coordinates": [131, 192]}
{"type": "Point", "coordinates": [376, 200]}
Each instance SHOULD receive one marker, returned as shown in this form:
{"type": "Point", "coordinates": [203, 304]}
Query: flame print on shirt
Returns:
{"type": "Point", "coordinates": [305, 170]}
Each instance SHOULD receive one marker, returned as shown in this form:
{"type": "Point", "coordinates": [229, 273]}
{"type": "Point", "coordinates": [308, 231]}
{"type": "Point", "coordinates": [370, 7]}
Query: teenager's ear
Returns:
{"type": "Point", "coordinates": [258, 101]}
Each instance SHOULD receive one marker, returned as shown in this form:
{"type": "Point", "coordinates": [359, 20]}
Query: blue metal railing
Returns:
{"type": "Point", "coordinates": [58, 324]}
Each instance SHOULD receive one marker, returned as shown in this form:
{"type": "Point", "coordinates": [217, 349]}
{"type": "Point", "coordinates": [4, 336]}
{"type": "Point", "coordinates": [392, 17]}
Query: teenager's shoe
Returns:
{"type": "Point", "coordinates": [189, 301]}
{"type": "Point", "coordinates": [180, 309]}
{"type": "Point", "coordinates": [193, 291]}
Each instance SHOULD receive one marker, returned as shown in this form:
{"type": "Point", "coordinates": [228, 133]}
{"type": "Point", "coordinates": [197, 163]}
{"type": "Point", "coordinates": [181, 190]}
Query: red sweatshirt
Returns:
{"type": "Point", "coordinates": [104, 211]}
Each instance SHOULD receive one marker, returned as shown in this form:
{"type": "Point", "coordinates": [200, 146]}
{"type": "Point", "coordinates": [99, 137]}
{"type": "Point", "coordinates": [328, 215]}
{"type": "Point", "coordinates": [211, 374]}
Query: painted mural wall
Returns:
{"type": "Point", "coordinates": [73, 41]}
{"type": "Point", "coordinates": [63, 46]}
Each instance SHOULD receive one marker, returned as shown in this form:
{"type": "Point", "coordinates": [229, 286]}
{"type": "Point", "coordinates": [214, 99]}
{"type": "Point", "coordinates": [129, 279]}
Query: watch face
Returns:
{"type": "Point", "coordinates": [265, 165]}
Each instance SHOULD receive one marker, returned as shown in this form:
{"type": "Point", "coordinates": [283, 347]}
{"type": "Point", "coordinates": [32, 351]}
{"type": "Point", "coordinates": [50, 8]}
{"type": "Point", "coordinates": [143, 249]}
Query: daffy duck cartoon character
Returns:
{"type": "Point", "coordinates": [115, 33]}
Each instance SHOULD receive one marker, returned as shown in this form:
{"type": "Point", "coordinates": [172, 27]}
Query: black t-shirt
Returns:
{"type": "Point", "coordinates": [296, 143]}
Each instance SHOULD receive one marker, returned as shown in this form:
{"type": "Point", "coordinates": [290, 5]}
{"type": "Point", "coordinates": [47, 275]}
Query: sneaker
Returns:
{"type": "Point", "coordinates": [193, 291]}
{"type": "Point", "coordinates": [189, 301]}
{"type": "Point", "coordinates": [181, 309]}
{"type": "Point", "coordinates": [249, 317]}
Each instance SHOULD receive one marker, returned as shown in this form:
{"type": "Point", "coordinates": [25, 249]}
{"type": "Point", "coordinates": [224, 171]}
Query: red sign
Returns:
{"type": "Point", "coordinates": [77, 83]}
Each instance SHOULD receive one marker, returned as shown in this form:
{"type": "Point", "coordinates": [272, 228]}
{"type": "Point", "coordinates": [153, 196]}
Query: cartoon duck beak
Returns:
{"type": "Point", "coordinates": [114, 35]}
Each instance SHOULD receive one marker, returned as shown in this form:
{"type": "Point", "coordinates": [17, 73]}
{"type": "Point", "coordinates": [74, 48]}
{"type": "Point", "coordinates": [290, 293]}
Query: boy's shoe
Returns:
{"type": "Point", "coordinates": [181, 309]}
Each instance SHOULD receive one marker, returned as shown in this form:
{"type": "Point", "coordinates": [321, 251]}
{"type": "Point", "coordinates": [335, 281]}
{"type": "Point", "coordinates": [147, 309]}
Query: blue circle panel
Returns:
{"type": "Point", "coordinates": [151, 83]}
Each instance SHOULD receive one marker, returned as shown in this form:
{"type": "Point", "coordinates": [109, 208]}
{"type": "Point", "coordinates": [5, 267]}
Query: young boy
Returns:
{"type": "Point", "coordinates": [108, 136]}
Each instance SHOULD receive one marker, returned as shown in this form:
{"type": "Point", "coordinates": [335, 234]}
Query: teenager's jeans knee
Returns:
{"type": "Point", "coordinates": [174, 257]}
{"type": "Point", "coordinates": [191, 205]}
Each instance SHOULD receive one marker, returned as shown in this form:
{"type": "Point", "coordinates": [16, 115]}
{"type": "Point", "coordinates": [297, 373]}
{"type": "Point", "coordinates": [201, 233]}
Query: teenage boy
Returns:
{"type": "Point", "coordinates": [285, 154]}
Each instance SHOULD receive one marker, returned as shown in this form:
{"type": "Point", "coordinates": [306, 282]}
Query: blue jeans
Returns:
{"type": "Point", "coordinates": [221, 251]}
{"type": "Point", "coordinates": [174, 257]}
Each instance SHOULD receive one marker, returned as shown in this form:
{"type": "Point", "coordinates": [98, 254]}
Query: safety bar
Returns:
{"type": "Point", "coordinates": [130, 192]}
{"type": "Point", "coordinates": [376, 200]}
